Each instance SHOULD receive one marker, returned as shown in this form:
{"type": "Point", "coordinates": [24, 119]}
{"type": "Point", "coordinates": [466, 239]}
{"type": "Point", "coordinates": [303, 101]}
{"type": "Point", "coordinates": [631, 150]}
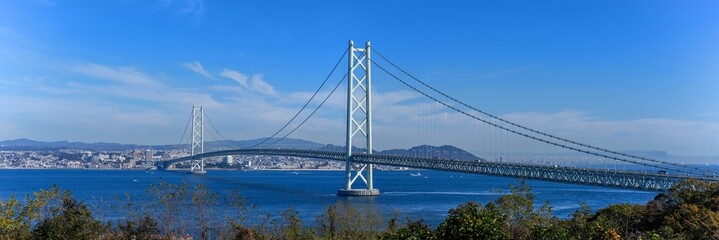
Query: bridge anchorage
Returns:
{"type": "Point", "coordinates": [359, 121]}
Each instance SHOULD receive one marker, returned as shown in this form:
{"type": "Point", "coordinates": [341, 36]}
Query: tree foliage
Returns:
{"type": "Point", "coordinates": [690, 210]}
{"type": "Point", "coordinates": [344, 221]}
{"type": "Point", "coordinates": [412, 230]}
{"type": "Point", "coordinates": [70, 220]}
{"type": "Point", "coordinates": [169, 204]}
{"type": "Point", "coordinates": [143, 228]}
{"type": "Point", "coordinates": [471, 221]}
{"type": "Point", "coordinates": [18, 218]}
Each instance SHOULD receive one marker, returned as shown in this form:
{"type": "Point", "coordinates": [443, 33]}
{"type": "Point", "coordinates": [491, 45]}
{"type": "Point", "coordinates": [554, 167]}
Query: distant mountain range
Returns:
{"type": "Point", "coordinates": [32, 145]}
{"type": "Point", "coordinates": [426, 151]}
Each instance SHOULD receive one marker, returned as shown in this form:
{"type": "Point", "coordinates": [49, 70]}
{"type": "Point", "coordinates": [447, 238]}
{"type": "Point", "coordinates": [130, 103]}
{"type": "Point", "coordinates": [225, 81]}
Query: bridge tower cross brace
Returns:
{"type": "Point", "coordinates": [359, 120]}
{"type": "Point", "coordinates": [198, 141]}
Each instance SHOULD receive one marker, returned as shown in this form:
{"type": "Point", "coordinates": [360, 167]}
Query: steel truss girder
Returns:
{"type": "Point", "coordinates": [607, 178]}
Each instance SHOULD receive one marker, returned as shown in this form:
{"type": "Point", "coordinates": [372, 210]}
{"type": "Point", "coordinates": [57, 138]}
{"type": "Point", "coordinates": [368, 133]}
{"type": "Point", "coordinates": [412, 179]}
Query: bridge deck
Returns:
{"type": "Point", "coordinates": [575, 175]}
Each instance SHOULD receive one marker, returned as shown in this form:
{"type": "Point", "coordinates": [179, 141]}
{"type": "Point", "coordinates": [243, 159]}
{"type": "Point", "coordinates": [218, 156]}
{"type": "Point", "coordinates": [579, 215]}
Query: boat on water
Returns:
{"type": "Point", "coordinates": [415, 174]}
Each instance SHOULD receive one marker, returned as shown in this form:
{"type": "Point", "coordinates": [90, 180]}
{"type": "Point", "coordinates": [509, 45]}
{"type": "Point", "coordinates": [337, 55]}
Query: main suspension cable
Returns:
{"type": "Point", "coordinates": [184, 131]}
{"type": "Point", "coordinates": [313, 112]}
{"type": "Point", "coordinates": [364, 53]}
{"type": "Point", "coordinates": [529, 129]}
{"type": "Point", "coordinates": [307, 103]}
{"type": "Point", "coordinates": [519, 133]}
{"type": "Point", "coordinates": [225, 144]}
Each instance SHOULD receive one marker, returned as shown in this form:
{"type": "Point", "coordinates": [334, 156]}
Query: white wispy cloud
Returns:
{"type": "Point", "coordinates": [198, 68]}
{"type": "Point", "coordinates": [235, 75]}
{"type": "Point", "coordinates": [19, 48]}
{"type": "Point", "coordinates": [192, 10]}
{"type": "Point", "coordinates": [256, 83]}
{"type": "Point", "coordinates": [68, 118]}
{"type": "Point", "coordinates": [683, 137]}
{"type": "Point", "coordinates": [242, 110]}
{"type": "Point", "coordinates": [402, 118]}
{"type": "Point", "coordinates": [144, 118]}
{"type": "Point", "coordinates": [337, 100]}
{"type": "Point", "coordinates": [261, 86]}
{"type": "Point", "coordinates": [124, 75]}
{"type": "Point", "coordinates": [126, 83]}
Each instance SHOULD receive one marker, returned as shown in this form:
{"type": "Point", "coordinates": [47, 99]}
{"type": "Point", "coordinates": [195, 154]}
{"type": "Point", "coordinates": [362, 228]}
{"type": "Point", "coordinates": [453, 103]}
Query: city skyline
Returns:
{"type": "Point", "coordinates": [129, 71]}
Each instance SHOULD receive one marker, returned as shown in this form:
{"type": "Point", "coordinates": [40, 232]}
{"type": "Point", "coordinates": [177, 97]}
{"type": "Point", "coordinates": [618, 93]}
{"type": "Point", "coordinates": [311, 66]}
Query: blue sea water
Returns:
{"type": "Point", "coordinates": [428, 196]}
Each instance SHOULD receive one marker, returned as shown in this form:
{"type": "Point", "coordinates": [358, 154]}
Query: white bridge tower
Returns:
{"type": "Point", "coordinates": [359, 120]}
{"type": "Point", "coordinates": [198, 141]}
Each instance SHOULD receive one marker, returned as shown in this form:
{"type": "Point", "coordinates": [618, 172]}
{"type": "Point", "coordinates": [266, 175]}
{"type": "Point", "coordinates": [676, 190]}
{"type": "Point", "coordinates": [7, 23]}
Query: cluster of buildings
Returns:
{"type": "Point", "coordinates": [145, 159]}
{"type": "Point", "coordinates": [278, 162]}
{"type": "Point", "coordinates": [83, 159]}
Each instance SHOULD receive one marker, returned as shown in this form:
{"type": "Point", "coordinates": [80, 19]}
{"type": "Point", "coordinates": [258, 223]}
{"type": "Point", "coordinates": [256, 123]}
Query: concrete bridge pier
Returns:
{"type": "Point", "coordinates": [358, 192]}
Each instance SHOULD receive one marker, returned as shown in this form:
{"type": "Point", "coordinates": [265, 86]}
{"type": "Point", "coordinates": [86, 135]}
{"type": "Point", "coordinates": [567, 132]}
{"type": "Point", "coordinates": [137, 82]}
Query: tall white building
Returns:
{"type": "Point", "coordinates": [148, 155]}
{"type": "Point", "coordinates": [136, 155]}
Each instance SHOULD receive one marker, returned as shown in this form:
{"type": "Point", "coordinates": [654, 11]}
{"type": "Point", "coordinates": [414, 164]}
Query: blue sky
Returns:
{"type": "Point", "coordinates": [639, 75]}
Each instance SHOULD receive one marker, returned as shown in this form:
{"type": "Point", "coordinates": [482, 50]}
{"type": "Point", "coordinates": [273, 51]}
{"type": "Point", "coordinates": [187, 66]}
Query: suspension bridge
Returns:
{"type": "Point", "coordinates": [495, 145]}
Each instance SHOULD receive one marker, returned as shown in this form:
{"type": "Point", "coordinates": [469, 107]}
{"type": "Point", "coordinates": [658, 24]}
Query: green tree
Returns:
{"type": "Point", "coordinates": [264, 230]}
{"type": "Point", "coordinates": [12, 222]}
{"type": "Point", "coordinates": [169, 204]}
{"type": "Point", "coordinates": [237, 216]}
{"type": "Point", "coordinates": [522, 221]}
{"type": "Point", "coordinates": [291, 227]}
{"type": "Point", "coordinates": [700, 193]}
{"type": "Point", "coordinates": [143, 228]}
{"type": "Point", "coordinates": [471, 221]}
{"type": "Point", "coordinates": [204, 203]}
{"type": "Point", "coordinates": [327, 223]}
{"type": "Point", "coordinates": [413, 230]}
{"type": "Point", "coordinates": [18, 218]}
{"type": "Point", "coordinates": [343, 221]}
{"type": "Point", "coordinates": [549, 231]}
{"type": "Point", "coordinates": [693, 222]}
{"type": "Point", "coordinates": [543, 225]}
{"type": "Point", "coordinates": [627, 219]}
{"type": "Point", "coordinates": [392, 223]}
{"type": "Point", "coordinates": [71, 220]}
{"type": "Point", "coordinates": [688, 211]}
{"type": "Point", "coordinates": [517, 208]}
{"type": "Point", "coordinates": [599, 232]}
{"type": "Point", "coordinates": [578, 224]}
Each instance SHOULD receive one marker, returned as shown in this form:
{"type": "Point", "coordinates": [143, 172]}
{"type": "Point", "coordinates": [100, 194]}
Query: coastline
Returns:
{"type": "Point", "coordinates": [237, 169]}
{"type": "Point", "coordinates": [91, 169]}
{"type": "Point", "coordinates": [207, 169]}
